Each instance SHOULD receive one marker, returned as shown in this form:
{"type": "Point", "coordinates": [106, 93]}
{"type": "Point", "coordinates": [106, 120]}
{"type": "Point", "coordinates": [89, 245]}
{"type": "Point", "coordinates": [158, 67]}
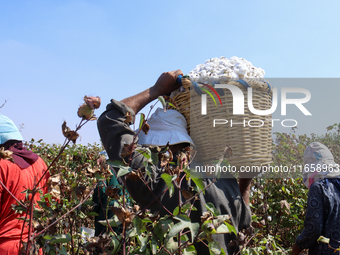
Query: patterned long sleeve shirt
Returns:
{"type": "Point", "coordinates": [322, 218]}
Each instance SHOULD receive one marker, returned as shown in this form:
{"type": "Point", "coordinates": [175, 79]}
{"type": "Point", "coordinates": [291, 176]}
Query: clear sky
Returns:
{"type": "Point", "coordinates": [52, 53]}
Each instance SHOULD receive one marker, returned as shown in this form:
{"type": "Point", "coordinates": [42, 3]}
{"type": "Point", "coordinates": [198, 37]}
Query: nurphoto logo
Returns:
{"type": "Point", "coordinates": [238, 105]}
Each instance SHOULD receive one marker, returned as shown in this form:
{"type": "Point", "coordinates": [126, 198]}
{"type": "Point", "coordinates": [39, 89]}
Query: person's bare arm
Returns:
{"type": "Point", "coordinates": [296, 250]}
{"type": "Point", "coordinates": [165, 84]}
{"type": "Point", "coordinates": [244, 184]}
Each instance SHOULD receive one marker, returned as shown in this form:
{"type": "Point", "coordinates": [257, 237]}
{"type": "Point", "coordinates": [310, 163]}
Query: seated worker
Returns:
{"type": "Point", "coordinates": [18, 172]}
{"type": "Point", "coordinates": [169, 127]}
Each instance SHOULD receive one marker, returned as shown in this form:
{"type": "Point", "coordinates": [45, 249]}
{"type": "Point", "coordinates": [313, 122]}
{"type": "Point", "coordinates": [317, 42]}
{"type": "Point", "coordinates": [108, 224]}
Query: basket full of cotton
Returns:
{"type": "Point", "coordinates": [214, 101]}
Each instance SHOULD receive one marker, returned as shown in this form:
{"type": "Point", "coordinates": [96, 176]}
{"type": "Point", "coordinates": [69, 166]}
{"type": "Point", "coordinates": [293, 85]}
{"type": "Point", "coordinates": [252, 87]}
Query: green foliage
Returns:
{"type": "Point", "coordinates": [73, 179]}
{"type": "Point", "coordinates": [278, 205]}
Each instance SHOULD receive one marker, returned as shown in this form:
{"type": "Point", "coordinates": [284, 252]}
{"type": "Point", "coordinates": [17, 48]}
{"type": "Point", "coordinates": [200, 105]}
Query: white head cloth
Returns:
{"type": "Point", "coordinates": [318, 164]}
{"type": "Point", "coordinates": [169, 126]}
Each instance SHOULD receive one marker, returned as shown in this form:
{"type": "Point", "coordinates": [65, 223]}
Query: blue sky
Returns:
{"type": "Point", "coordinates": [52, 53]}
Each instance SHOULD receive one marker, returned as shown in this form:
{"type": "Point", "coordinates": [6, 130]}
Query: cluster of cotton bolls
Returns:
{"type": "Point", "coordinates": [217, 70]}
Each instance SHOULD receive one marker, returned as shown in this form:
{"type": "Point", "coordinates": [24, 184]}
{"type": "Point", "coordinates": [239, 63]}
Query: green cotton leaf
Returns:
{"type": "Point", "coordinates": [199, 183]}
{"type": "Point", "coordinates": [162, 100]}
{"type": "Point", "coordinates": [187, 206]}
{"type": "Point", "coordinates": [146, 220]}
{"type": "Point", "coordinates": [61, 239]}
{"type": "Point", "coordinates": [184, 208]}
{"type": "Point", "coordinates": [154, 158]}
{"type": "Point", "coordinates": [184, 238]}
{"type": "Point", "coordinates": [172, 105]}
{"type": "Point", "coordinates": [190, 250]}
{"type": "Point", "coordinates": [142, 118]}
{"type": "Point", "coordinates": [116, 244]}
{"type": "Point", "coordinates": [143, 242]}
{"type": "Point", "coordinates": [162, 227]}
{"type": "Point", "coordinates": [208, 227]}
{"type": "Point", "coordinates": [231, 228]}
{"type": "Point", "coordinates": [184, 223]}
{"type": "Point", "coordinates": [323, 239]}
{"type": "Point", "coordinates": [132, 232]}
{"type": "Point", "coordinates": [63, 251]}
{"type": "Point", "coordinates": [145, 152]}
{"type": "Point", "coordinates": [222, 229]}
{"type": "Point", "coordinates": [138, 224]}
{"type": "Point", "coordinates": [123, 171]}
{"type": "Point", "coordinates": [98, 177]}
{"type": "Point", "coordinates": [212, 209]}
{"type": "Point", "coordinates": [154, 245]}
{"type": "Point", "coordinates": [171, 245]}
{"type": "Point", "coordinates": [220, 224]}
{"type": "Point", "coordinates": [176, 211]}
{"type": "Point", "coordinates": [168, 180]}
{"type": "Point", "coordinates": [116, 163]}
{"type": "Point", "coordinates": [114, 222]}
{"type": "Point", "coordinates": [47, 237]}
{"type": "Point", "coordinates": [215, 248]}
{"type": "Point", "coordinates": [149, 171]}
{"type": "Point", "coordinates": [92, 214]}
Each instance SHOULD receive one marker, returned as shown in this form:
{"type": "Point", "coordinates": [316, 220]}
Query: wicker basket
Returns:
{"type": "Point", "coordinates": [251, 146]}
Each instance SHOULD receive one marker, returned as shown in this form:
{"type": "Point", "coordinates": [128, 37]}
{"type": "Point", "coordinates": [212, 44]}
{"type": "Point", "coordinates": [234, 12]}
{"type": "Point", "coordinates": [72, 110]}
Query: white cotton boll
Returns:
{"type": "Point", "coordinates": [223, 69]}
{"type": "Point", "coordinates": [224, 78]}
{"type": "Point", "coordinates": [269, 218]}
{"type": "Point", "coordinates": [213, 78]}
{"type": "Point", "coordinates": [233, 60]}
{"type": "Point", "coordinates": [222, 62]}
{"type": "Point", "coordinates": [218, 71]}
{"type": "Point", "coordinates": [209, 67]}
{"type": "Point", "coordinates": [234, 75]}
{"type": "Point", "coordinates": [242, 70]}
{"type": "Point", "coordinates": [195, 78]}
{"type": "Point", "coordinates": [210, 79]}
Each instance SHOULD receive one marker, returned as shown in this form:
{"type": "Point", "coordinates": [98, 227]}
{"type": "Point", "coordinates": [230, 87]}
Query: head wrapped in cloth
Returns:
{"type": "Point", "coordinates": [8, 130]}
{"type": "Point", "coordinates": [318, 164]}
{"type": "Point", "coordinates": [165, 127]}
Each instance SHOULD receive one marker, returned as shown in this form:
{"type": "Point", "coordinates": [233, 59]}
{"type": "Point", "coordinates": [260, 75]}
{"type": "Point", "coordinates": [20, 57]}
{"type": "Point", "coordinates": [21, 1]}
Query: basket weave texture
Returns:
{"type": "Point", "coordinates": [250, 146]}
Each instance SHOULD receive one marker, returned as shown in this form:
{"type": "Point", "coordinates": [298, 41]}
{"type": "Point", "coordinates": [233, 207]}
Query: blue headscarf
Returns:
{"type": "Point", "coordinates": [8, 130]}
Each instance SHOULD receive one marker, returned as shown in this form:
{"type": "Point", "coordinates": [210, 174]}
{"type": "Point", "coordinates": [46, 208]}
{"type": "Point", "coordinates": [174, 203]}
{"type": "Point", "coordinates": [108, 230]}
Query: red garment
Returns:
{"type": "Point", "coordinates": [16, 180]}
